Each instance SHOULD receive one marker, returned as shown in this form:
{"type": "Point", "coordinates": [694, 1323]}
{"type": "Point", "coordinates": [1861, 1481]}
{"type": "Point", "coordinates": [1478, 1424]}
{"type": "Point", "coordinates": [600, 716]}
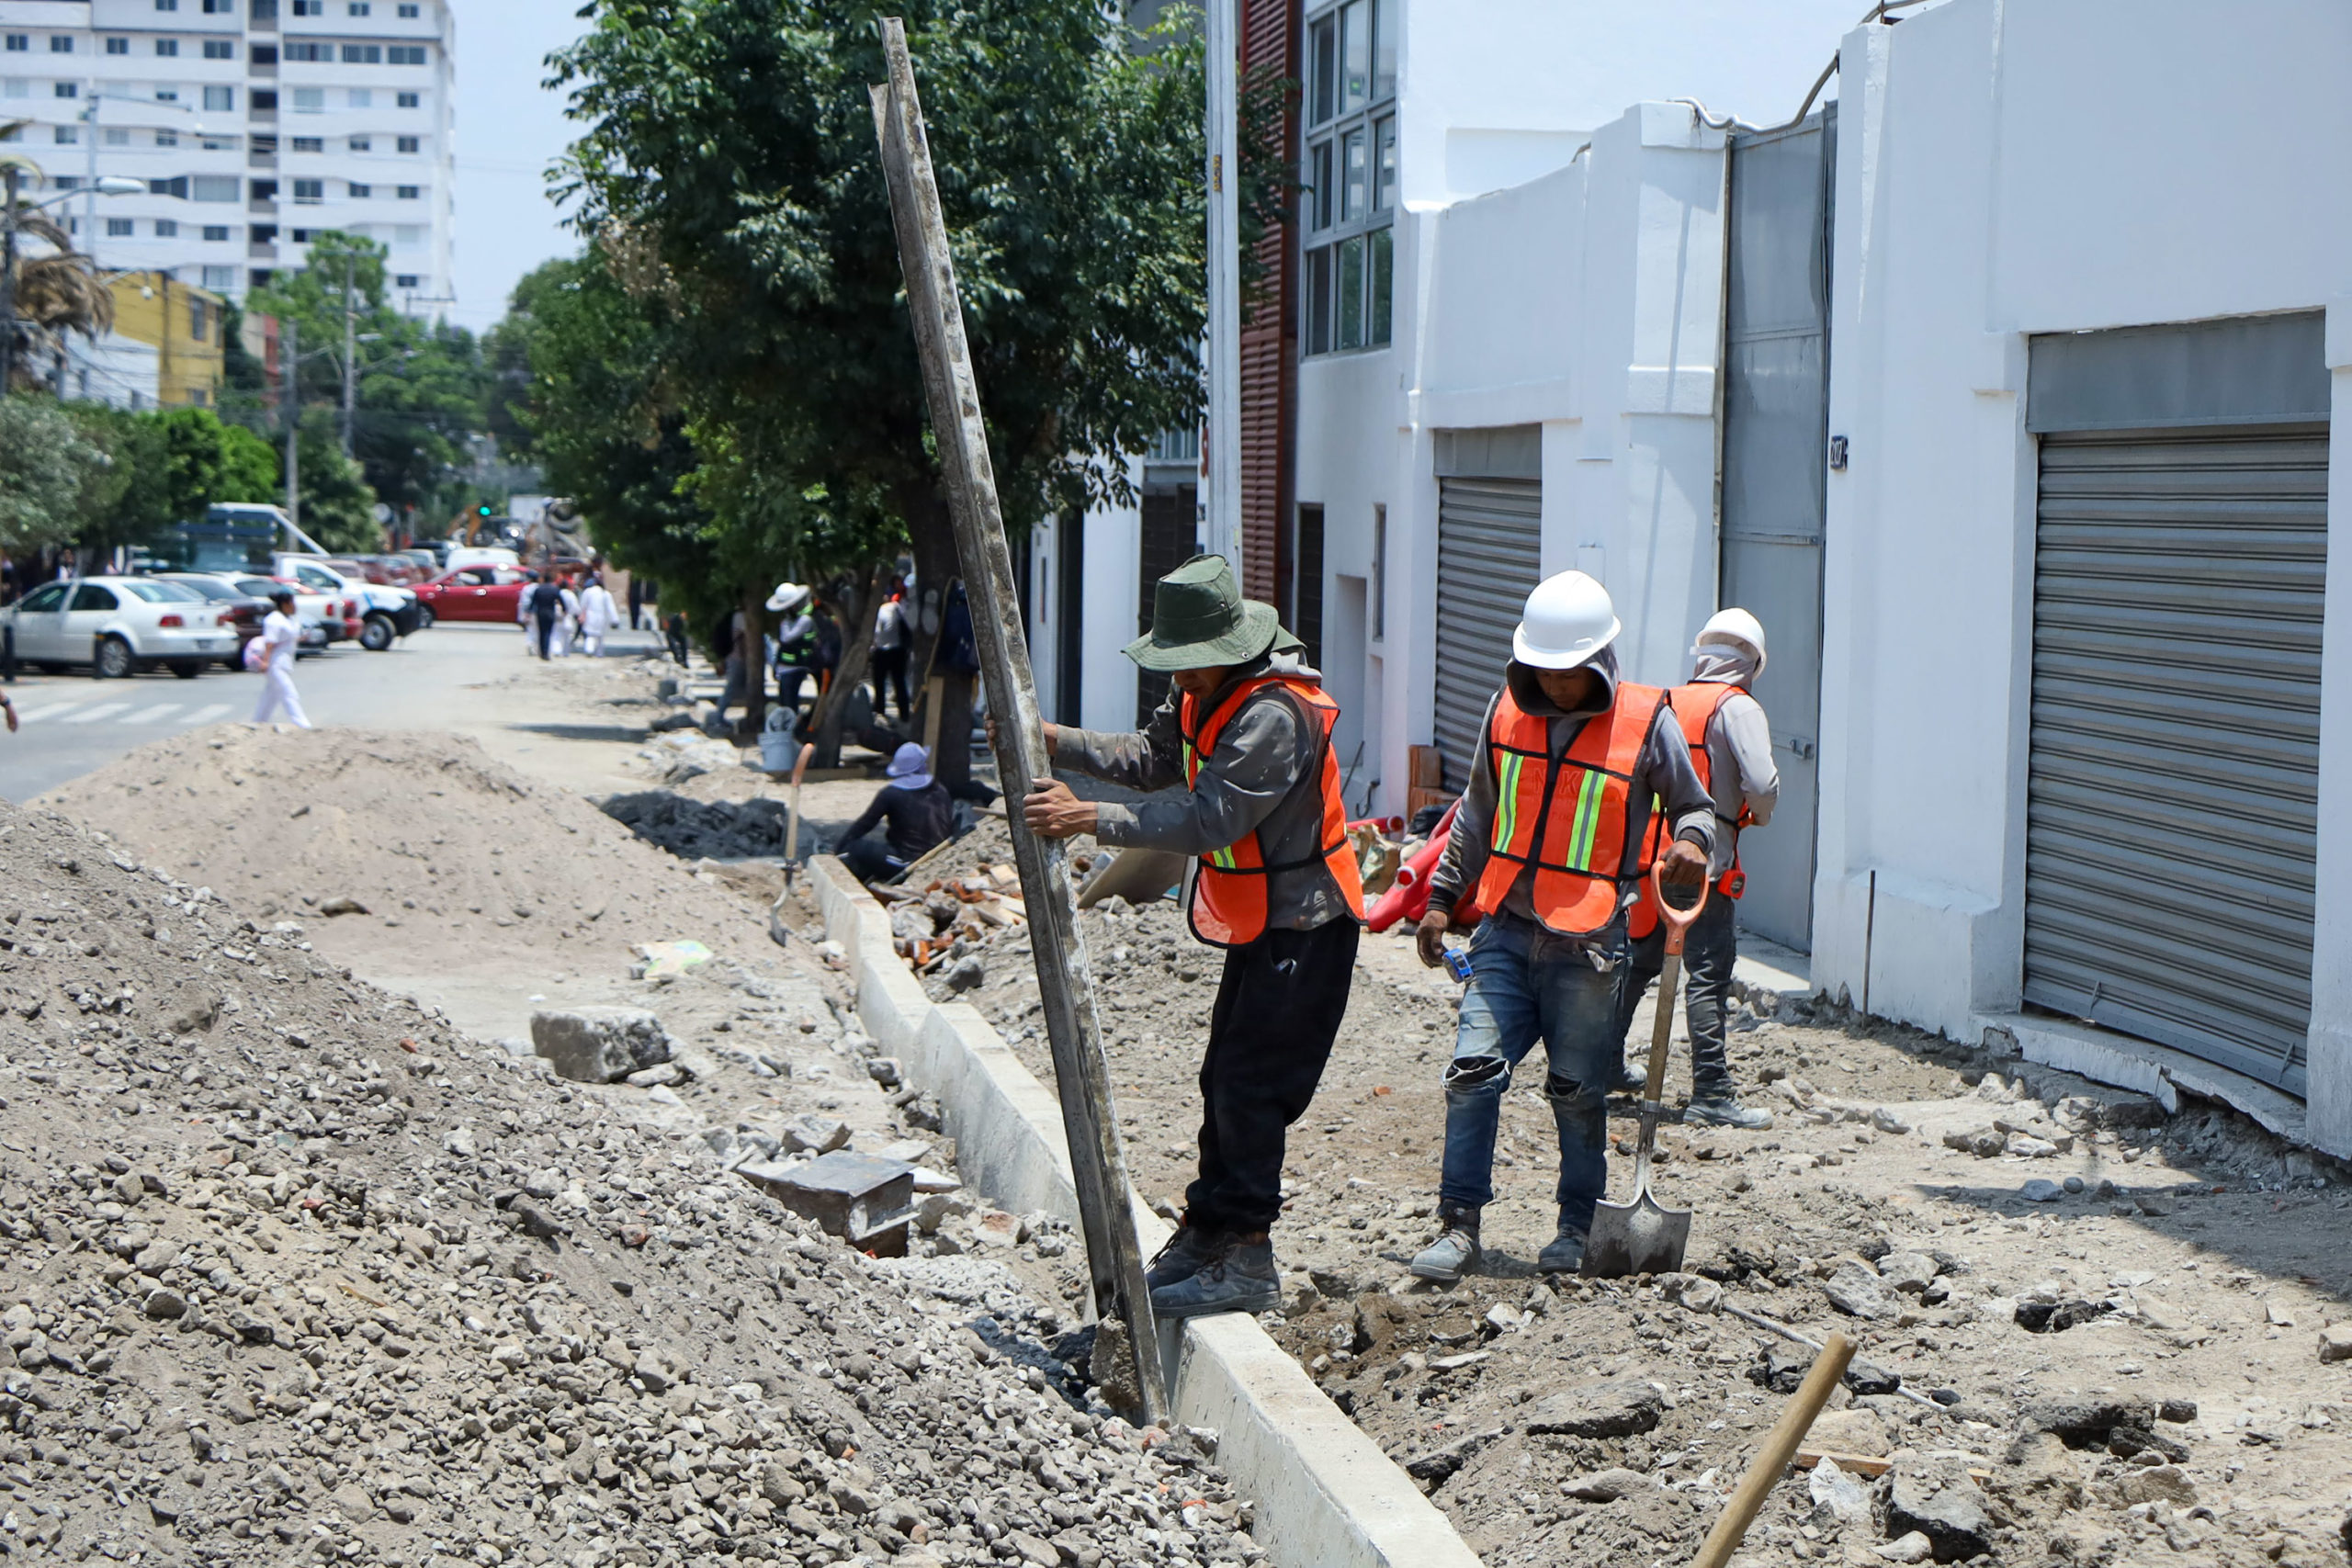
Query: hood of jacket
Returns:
{"type": "Point", "coordinates": [1724, 664]}
{"type": "Point", "coordinates": [1528, 692]}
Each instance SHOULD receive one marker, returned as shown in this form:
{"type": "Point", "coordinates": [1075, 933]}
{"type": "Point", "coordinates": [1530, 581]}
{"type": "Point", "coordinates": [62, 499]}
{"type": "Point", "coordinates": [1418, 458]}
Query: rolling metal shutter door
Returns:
{"type": "Point", "coordinates": [2173, 769]}
{"type": "Point", "coordinates": [1489, 539]}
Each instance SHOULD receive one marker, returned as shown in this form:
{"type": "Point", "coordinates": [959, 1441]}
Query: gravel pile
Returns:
{"type": "Point", "coordinates": [296, 1273]}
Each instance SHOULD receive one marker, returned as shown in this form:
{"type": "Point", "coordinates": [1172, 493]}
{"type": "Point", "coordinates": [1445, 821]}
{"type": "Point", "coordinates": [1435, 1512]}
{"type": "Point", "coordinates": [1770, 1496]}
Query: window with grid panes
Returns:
{"type": "Point", "coordinates": [1348, 199]}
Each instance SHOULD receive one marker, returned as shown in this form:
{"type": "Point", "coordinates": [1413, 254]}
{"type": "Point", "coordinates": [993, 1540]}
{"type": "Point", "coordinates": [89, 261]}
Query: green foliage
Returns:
{"type": "Point", "coordinates": [419, 388]}
{"type": "Point", "coordinates": [47, 467]}
{"type": "Point", "coordinates": [338, 508]}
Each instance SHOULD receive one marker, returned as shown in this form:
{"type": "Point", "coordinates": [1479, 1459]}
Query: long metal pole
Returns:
{"type": "Point", "coordinates": [1064, 980]}
{"type": "Point", "coordinates": [290, 395]}
{"type": "Point", "coordinates": [1224, 453]}
{"type": "Point", "coordinates": [8, 279]}
{"type": "Point", "coordinates": [350, 357]}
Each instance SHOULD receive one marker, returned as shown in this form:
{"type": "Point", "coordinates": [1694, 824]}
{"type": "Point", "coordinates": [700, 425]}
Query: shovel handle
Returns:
{"type": "Point", "coordinates": [1780, 1447]}
{"type": "Point", "coordinates": [1678, 922]}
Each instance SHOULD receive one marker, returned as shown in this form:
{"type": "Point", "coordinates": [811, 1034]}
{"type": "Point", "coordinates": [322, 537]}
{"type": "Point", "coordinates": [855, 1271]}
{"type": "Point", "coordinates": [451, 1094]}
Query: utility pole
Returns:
{"type": "Point", "coordinates": [8, 279]}
{"type": "Point", "coordinates": [289, 396]}
{"type": "Point", "coordinates": [1224, 437]}
{"type": "Point", "coordinates": [350, 357]}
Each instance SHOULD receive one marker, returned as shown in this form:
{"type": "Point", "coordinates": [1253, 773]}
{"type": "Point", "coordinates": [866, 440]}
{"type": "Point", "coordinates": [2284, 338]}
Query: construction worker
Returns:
{"type": "Point", "coordinates": [1549, 843]}
{"type": "Point", "coordinates": [1731, 749]}
{"type": "Point", "coordinates": [1246, 732]}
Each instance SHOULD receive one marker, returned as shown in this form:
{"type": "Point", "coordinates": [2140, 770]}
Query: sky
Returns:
{"type": "Point", "coordinates": [509, 130]}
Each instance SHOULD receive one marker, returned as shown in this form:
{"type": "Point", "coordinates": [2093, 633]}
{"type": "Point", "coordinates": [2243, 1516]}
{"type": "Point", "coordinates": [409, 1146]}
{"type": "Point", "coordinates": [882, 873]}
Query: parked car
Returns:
{"type": "Point", "coordinates": [385, 614]}
{"type": "Point", "coordinates": [240, 612]}
{"type": "Point", "coordinates": [484, 592]}
{"type": "Point", "coordinates": [118, 626]}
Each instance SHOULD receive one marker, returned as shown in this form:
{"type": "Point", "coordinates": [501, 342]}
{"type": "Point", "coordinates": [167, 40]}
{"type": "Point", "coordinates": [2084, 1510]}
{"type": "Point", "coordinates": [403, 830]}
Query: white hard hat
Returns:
{"type": "Point", "coordinates": [788, 597]}
{"type": "Point", "coordinates": [1569, 619]}
{"type": "Point", "coordinates": [1734, 626]}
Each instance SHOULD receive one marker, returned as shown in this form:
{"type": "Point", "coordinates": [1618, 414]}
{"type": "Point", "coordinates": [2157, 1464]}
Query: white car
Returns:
{"type": "Point", "coordinates": [117, 625]}
{"type": "Point", "coordinates": [386, 613]}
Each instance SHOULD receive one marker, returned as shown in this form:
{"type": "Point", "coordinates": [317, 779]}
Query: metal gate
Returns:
{"type": "Point", "coordinates": [2173, 775]}
{"type": "Point", "coordinates": [1490, 549]}
{"type": "Point", "coordinates": [1775, 456]}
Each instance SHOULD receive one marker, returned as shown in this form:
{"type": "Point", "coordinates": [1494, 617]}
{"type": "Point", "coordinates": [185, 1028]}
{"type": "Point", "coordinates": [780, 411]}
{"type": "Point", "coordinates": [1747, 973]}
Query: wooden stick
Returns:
{"type": "Point", "coordinates": [1065, 980]}
{"type": "Point", "coordinates": [1779, 1448]}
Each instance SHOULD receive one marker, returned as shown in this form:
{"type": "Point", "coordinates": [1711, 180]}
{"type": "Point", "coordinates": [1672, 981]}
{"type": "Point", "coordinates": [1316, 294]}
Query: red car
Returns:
{"type": "Point", "coordinates": [476, 593]}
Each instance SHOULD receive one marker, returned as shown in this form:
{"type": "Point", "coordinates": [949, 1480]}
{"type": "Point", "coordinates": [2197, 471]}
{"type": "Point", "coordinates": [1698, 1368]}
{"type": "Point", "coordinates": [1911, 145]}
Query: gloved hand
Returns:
{"type": "Point", "coordinates": [1429, 937]}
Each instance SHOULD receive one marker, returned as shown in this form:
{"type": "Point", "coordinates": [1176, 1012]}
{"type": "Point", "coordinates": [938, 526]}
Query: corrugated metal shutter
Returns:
{"type": "Point", "coordinates": [2173, 772]}
{"type": "Point", "coordinates": [1489, 537]}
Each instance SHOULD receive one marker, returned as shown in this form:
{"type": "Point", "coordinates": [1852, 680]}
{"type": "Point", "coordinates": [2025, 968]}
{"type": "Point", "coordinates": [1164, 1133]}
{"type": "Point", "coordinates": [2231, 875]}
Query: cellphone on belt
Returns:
{"type": "Point", "coordinates": [1457, 964]}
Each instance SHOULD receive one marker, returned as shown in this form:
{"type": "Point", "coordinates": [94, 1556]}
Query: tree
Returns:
{"type": "Point", "coordinates": [338, 507]}
{"type": "Point", "coordinates": [47, 467]}
{"type": "Point", "coordinates": [732, 152]}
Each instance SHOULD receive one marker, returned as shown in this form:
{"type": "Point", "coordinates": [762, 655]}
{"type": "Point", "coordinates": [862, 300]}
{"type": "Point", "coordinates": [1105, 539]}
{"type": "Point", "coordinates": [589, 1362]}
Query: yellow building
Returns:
{"type": "Point", "coordinates": [183, 324]}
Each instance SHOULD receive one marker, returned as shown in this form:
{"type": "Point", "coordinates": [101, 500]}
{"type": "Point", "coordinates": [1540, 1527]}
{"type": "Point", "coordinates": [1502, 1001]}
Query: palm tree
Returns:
{"type": "Point", "coordinates": [44, 297]}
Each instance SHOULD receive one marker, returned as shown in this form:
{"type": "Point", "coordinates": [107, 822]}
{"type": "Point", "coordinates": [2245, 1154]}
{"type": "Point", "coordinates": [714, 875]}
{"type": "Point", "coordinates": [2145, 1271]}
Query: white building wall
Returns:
{"type": "Point", "coordinates": [154, 123]}
{"type": "Point", "coordinates": [1536, 286]}
{"type": "Point", "coordinates": [119, 372]}
{"type": "Point", "coordinates": [2006, 169]}
{"type": "Point", "coordinates": [1108, 563]}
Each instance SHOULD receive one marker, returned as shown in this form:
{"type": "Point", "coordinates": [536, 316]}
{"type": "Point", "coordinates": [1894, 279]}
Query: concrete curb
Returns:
{"type": "Point", "coordinates": [1327, 1497]}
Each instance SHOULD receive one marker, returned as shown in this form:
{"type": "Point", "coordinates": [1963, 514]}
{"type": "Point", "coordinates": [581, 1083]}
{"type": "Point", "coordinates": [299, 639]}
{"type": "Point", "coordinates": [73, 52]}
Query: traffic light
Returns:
{"type": "Point", "coordinates": [482, 511]}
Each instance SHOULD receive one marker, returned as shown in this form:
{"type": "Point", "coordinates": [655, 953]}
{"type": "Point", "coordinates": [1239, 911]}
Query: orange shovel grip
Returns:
{"type": "Point", "coordinates": [1678, 922]}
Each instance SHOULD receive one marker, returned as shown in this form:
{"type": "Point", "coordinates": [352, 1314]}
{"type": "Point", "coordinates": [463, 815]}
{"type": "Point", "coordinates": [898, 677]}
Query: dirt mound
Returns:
{"type": "Point", "coordinates": [295, 1272]}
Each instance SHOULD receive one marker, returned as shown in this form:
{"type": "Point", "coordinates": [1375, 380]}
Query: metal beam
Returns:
{"type": "Point", "coordinates": [1064, 981]}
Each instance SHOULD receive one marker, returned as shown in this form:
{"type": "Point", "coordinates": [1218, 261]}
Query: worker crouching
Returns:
{"type": "Point", "coordinates": [1548, 842]}
{"type": "Point", "coordinates": [1241, 751]}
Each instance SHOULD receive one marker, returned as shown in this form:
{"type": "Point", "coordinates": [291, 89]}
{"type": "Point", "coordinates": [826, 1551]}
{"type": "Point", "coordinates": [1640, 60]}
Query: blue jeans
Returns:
{"type": "Point", "coordinates": [1526, 983]}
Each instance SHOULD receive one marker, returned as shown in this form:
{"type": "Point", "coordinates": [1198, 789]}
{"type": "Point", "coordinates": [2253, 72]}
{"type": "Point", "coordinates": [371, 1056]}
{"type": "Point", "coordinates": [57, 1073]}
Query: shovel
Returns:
{"type": "Point", "coordinates": [1641, 1237]}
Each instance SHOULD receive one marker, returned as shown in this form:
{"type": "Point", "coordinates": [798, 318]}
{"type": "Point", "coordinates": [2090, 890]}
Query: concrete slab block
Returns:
{"type": "Point", "coordinates": [866, 1202]}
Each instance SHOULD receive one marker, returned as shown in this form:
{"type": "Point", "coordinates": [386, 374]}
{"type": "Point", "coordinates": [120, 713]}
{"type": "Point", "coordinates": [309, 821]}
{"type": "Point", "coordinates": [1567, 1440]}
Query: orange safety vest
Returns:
{"type": "Point", "coordinates": [1573, 823]}
{"type": "Point", "coordinates": [1694, 706]}
{"type": "Point", "coordinates": [1228, 904]}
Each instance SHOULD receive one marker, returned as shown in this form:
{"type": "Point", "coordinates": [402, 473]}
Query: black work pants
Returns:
{"type": "Point", "coordinates": [1278, 1009]}
{"type": "Point", "coordinates": [542, 629]}
{"type": "Point", "coordinates": [891, 664]}
{"type": "Point", "coordinates": [1708, 953]}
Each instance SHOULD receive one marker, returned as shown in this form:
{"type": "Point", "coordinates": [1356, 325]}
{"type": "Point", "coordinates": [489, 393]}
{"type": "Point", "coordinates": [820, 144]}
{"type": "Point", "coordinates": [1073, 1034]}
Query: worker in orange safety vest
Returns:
{"type": "Point", "coordinates": [1549, 844]}
{"type": "Point", "coordinates": [1241, 755]}
{"type": "Point", "coordinates": [1730, 748]}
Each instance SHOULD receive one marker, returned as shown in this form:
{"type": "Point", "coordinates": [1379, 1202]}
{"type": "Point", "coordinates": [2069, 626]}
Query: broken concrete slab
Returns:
{"type": "Point", "coordinates": [1855, 1288]}
{"type": "Point", "coordinates": [1935, 1497]}
{"type": "Point", "coordinates": [1615, 1407]}
{"type": "Point", "coordinates": [867, 1202]}
{"type": "Point", "coordinates": [599, 1044]}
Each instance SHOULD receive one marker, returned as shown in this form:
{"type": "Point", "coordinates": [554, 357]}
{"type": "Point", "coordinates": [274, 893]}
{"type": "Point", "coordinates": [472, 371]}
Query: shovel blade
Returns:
{"type": "Point", "coordinates": [1638, 1238]}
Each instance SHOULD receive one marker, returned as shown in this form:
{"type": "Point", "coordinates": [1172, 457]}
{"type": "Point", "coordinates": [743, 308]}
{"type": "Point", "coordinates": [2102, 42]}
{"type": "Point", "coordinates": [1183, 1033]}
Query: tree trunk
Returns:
{"type": "Point", "coordinates": [857, 644]}
{"type": "Point", "coordinates": [752, 645]}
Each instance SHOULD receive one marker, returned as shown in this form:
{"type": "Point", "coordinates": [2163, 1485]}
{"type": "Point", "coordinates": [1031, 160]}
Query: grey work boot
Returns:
{"type": "Point", "coordinates": [1183, 1256]}
{"type": "Point", "coordinates": [1721, 1108]}
{"type": "Point", "coordinates": [1238, 1275]}
{"type": "Point", "coordinates": [1565, 1254]}
{"type": "Point", "coordinates": [1628, 1081]}
{"type": "Point", "coordinates": [1454, 1253]}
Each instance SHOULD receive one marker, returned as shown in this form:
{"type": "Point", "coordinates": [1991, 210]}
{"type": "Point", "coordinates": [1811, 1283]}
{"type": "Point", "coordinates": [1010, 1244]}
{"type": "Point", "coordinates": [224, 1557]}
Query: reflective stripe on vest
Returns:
{"type": "Point", "coordinates": [1228, 900]}
{"type": "Point", "coordinates": [1572, 823]}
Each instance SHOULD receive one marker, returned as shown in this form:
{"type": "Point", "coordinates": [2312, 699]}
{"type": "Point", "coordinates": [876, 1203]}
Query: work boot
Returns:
{"type": "Point", "coordinates": [1183, 1256]}
{"type": "Point", "coordinates": [1454, 1253]}
{"type": "Point", "coordinates": [1721, 1108]}
{"type": "Point", "coordinates": [1238, 1275]}
{"type": "Point", "coordinates": [1628, 1081]}
{"type": "Point", "coordinates": [1564, 1255]}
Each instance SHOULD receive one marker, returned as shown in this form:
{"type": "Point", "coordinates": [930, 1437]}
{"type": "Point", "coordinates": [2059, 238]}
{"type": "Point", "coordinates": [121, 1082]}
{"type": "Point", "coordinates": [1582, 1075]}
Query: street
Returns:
{"type": "Point", "coordinates": [73, 724]}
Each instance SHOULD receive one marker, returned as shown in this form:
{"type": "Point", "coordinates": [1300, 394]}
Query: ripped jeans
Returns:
{"type": "Point", "coordinates": [1526, 983]}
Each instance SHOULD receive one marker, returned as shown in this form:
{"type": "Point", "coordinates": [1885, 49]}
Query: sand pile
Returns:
{"type": "Point", "coordinates": [296, 1273]}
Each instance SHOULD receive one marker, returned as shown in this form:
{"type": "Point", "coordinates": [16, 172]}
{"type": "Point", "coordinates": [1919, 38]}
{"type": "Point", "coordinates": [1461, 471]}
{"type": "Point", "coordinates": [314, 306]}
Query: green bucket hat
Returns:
{"type": "Point", "coordinates": [1199, 618]}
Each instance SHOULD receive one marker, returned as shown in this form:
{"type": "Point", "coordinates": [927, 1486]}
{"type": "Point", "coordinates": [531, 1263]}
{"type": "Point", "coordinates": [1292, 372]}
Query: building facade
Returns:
{"type": "Point", "coordinates": [255, 124]}
{"type": "Point", "coordinates": [183, 325]}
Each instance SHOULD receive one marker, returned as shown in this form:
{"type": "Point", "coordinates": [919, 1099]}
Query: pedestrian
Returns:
{"type": "Point", "coordinates": [523, 617]}
{"type": "Point", "coordinates": [1246, 732]}
{"type": "Point", "coordinates": [281, 639]}
{"type": "Point", "coordinates": [567, 617]}
{"type": "Point", "coordinates": [10, 709]}
{"type": "Point", "coordinates": [545, 601]}
{"type": "Point", "coordinates": [673, 632]}
{"type": "Point", "coordinates": [890, 650]}
{"type": "Point", "coordinates": [794, 641]}
{"type": "Point", "coordinates": [1731, 750]}
{"type": "Point", "coordinates": [918, 810]}
{"type": "Point", "coordinates": [636, 602]}
{"type": "Point", "coordinates": [598, 614]}
{"type": "Point", "coordinates": [1548, 842]}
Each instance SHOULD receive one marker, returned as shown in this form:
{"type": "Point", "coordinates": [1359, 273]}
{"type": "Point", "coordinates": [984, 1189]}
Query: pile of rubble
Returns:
{"type": "Point", "coordinates": [936, 924]}
{"type": "Point", "coordinates": [296, 1272]}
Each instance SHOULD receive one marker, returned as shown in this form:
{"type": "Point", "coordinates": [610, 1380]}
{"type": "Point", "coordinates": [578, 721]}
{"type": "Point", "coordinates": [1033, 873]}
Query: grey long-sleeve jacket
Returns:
{"type": "Point", "coordinates": [1261, 777]}
{"type": "Point", "coordinates": [1664, 771]}
{"type": "Point", "coordinates": [1740, 769]}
